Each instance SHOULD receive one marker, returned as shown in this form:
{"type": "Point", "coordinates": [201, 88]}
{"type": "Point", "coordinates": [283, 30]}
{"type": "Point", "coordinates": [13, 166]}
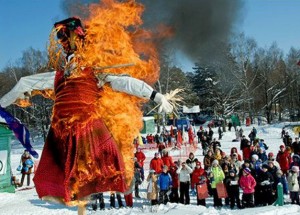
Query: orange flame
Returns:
{"type": "Point", "coordinates": [114, 36]}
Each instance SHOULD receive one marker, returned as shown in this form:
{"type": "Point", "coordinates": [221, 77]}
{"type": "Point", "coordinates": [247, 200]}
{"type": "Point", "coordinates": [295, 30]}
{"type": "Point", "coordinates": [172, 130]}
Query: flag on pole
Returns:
{"type": "Point", "coordinates": [20, 131]}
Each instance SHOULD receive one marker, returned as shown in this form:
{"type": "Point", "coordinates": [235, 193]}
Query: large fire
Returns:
{"type": "Point", "coordinates": [114, 36]}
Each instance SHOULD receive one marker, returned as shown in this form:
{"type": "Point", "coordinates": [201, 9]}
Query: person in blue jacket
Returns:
{"type": "Point", "coordinates": [165, 184]}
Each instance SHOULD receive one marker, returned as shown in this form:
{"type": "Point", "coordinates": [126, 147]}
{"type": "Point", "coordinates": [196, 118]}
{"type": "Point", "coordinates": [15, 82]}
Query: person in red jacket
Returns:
{"type": "Point", "coordinates": [168, 161]}
{"type": "Point", "coordinates": [234, 150]}
{"type": "Point", "coordinates": [284, 159]}
{"type": "Point", "coordinates": [156, 163]}
{"type": "Point", "coordinates": [141, 157]}
{"type": "Point", "coordinates": [198, 177]}
{"type": "Point", "coordinates": [174, 196]}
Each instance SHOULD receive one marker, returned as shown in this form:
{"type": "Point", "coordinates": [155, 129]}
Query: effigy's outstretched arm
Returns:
{"type": "Point", "coordinates": [137, 88]}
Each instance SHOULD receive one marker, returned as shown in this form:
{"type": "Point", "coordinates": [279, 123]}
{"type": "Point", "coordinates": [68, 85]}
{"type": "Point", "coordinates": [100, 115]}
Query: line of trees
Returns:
{"type": "Point", "coordinates": [247, 79]}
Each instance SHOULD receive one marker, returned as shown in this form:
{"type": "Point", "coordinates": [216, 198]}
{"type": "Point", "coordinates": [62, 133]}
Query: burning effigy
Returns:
{"type": "Point", "coordinates": [105, 66]}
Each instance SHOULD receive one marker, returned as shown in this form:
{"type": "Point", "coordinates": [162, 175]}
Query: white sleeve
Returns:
{"type": "Point", "coordinates": [130, 85]}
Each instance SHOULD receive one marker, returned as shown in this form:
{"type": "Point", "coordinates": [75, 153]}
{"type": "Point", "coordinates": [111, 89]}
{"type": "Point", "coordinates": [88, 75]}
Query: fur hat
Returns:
{"type": "Point", "coordinates": [255, 156]}
{"type": "Point", "coordinates": [216, 162]}
{"type": "Point", "coordinates": [295, 168]}
{"type": "Point", "coordinates": [152, 171]}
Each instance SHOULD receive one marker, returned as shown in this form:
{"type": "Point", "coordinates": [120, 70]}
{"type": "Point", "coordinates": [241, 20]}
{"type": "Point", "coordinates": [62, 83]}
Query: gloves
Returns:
{"type": "Point", "coordinates": [165, 106]}
{"type": "Point", "coordinates": [266, 182]}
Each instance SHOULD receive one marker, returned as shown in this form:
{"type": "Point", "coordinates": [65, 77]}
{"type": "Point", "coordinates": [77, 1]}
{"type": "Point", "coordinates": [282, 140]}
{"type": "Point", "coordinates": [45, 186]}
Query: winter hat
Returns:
{"type": "Point", "coordinates": [255, 156]}
{"type": "Point", "coordinates": [247, 170]}
{"type": "Point", "coordinates": [279, 172]}
{"type": "Point", "coordinates": [156, 153]}
{"type": "Point", "coordinates": [271, 154]}
{"type": "Point", "coordinates": [198, 163]}
{"type": "Point", "coordinates": [281, 147]}
{"type": "Point", "coordinates": [165, 167]}
{"type": "Point", "coordinates": [295, 168]}
{"type": "Point", "coordinates": [296, 156]}
{"type": "Point", "coordinates": [216, 162]}
{"type": "Point", "coordinates": [152, 171]}
{"type": "Point", "coordinates": [265, 166]}
{"type": "Point", "coordinates": [232, 171]}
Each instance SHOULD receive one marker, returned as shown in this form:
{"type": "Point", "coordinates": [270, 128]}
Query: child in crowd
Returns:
{"type": "Point", "coordinates": [232, 187]}
{"type": "Point", "coordinates": [247, 184]}
{"type": "Point", "coordinates": [293, 184]}
{"type": "Point", "coordinates": [152, 189]}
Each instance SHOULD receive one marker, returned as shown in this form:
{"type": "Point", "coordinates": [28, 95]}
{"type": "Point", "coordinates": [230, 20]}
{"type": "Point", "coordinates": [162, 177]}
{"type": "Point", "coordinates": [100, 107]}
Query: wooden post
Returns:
{"type": "Point", "coordinates": [81, 210]}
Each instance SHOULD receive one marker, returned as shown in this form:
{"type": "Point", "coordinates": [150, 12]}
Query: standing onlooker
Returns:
{"type": "Point", "coordinates": [296, 146]}
{"type": "Point", "coordinates": [27, 164]}
{"type": "Point", "coordinates": [164, 184]}
{"type": "Point", "coordinates": [191, 161]}
{"type": "Point", "coordinates": [208, 159]}
{"type": "Point", "coordinates": [174, 196]}
{"type": "Point", "coordinates": [282, 133]}
{"type": "Point", "coordinates": [287, 140]}
{"type": "Point", "coordinates": [137, 177]}
{"type": "Point", "coordinates": [280, 178]}
{"type": "Point", "coordinates": [293, 184]}
{"type": "Point", "coordinates": [156, 163]}
{"type": "Point", "coordinates": [216, 175]}
{"type": "Point", "coordinates": [141, 157]}
{"type": "Point", "coordinates": [220, 132]}
{"type": "Point", "coordinates": [166, 158]}
{"type": "Point", "coordinates": [184, 172]}
{"type": "Point", "coordinates": [234, 150]}
{"type": "Point", "coordinates": [232, 187]}
{"type": "Point", "coordinates": [247, 184]}
{"type": "Point", "coordinates": [284, 159]}
{"type": "Point", "coordinates": [264, 187]}
{"type": "Point", "coordinates": [198, 178]}
{"type": "Point", "coordinates": [152, 189]}
{"type": "Point", "coordinates": [252, 134]}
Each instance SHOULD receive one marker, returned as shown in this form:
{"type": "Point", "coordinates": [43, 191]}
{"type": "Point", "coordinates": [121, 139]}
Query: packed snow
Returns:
{"type": "Point", "coordinates": [27, 202]}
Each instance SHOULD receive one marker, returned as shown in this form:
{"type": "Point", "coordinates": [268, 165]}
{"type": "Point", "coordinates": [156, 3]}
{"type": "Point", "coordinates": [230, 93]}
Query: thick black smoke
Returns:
{"type": "Point", "coordinates": [200, 26]}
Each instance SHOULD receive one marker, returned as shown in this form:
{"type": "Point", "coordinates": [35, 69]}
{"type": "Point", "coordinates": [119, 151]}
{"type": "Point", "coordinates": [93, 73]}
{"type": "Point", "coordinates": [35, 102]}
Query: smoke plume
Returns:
{"type": "Point", "coordinates": [199, 26]}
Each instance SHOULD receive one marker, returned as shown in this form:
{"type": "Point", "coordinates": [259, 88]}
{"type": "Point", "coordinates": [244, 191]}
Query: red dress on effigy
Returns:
{"type": "Point", "coordinates": [80, 156]}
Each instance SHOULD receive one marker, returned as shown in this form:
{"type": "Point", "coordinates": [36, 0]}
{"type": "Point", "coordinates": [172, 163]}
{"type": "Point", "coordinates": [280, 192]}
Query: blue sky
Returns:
{"type": "Point", "coordinates": [27, 23]}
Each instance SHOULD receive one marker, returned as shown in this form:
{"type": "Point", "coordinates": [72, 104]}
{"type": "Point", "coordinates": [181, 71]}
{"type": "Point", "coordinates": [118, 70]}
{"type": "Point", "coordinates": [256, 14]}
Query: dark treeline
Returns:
{"type": "Point", "coordinates": [249, 80]}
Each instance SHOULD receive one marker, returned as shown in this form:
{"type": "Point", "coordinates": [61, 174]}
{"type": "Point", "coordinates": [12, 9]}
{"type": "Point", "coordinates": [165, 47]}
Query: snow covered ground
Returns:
{"type": "Point", "coordinates": [27, 202]}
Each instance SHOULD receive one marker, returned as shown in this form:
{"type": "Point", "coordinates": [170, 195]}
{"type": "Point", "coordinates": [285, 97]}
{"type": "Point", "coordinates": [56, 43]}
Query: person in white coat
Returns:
{"type": "Point", "coordinates": [184, 172]}
{"type": "Point", "coordinates": [293, 184]}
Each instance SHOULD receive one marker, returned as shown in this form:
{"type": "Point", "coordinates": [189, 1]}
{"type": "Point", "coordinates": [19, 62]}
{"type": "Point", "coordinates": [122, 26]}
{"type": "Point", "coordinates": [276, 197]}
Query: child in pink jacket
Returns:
{"type": "Point", "coordinates": [247, 183]}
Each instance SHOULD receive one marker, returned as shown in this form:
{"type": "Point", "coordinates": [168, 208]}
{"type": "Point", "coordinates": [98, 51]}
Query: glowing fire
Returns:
{"type": "Point", "coordinates": [114, 36]}
{"type": "Point", "coordinates": [109, 41]}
